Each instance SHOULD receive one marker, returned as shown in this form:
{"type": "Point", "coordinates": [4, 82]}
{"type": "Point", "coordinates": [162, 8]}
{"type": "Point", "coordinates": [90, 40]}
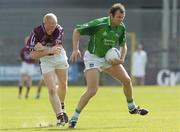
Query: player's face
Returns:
{"type": "Point", "coordinates": [117, 18]}
{"type": "Point", "coordinates": [50, 26]}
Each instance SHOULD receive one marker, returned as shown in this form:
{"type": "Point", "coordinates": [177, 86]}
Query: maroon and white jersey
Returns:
{"type": "Point", "coordinates": [39, 35]}
{"type": "Point", "coordinates": [25, 56]}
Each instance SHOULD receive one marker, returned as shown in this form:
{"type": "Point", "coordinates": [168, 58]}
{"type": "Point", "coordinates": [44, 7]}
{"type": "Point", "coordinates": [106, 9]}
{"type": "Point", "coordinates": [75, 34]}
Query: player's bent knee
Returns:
{"type": "Point", "coordinates": [91, 93]}
{"type": "Point", "coordinates": [63, 85]}
{"type": "Point", "coordinates": [127, 81]}
{"type": "Point", "coordinates": [51, 91]}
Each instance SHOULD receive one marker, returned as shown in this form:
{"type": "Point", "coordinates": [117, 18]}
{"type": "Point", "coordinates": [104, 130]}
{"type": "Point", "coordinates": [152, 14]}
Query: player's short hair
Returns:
{"type": "Point", "coordinates": [115, 7]}
{"type": "Point", "coordinates": [50, 15]}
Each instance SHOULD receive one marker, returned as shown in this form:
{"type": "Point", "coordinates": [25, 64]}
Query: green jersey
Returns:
{"type": "Point", "coordinates": [102, 35]}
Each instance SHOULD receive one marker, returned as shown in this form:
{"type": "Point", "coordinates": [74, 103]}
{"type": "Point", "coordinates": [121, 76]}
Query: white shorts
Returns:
{"type": "Point", "coordinates": [50, 63]}
{"type": "Point", "coordinates": [92, 61]}
{"type": "Point", "coordinates": [27, 68]}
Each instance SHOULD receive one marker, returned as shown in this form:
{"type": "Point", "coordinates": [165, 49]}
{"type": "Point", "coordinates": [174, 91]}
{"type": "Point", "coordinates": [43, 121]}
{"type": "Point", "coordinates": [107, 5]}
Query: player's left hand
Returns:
{"type": "Point", "coordinates": [116, 61]}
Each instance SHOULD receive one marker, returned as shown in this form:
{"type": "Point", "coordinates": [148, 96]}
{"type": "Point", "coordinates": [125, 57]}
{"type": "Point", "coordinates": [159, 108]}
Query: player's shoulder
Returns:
{"type": "Point", "coordinates": [58, 31]}
{"type": "Point", "coordinates": [38, 29]}
{"type": "Point", "coordinates": [59, 28]}
{"type": "Point", "coordinates": [101, 21]}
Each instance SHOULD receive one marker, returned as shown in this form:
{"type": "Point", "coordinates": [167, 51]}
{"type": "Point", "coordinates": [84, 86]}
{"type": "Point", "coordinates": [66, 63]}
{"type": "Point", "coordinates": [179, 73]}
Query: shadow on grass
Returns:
{"type": "Point", "coordinates": [54, 128]}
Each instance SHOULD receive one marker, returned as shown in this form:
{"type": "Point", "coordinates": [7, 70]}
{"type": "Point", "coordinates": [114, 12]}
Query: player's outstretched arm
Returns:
{"type": "Point", "coordinates": [123, 51]}
{"type": "Point", "coordinates": [76, 52]}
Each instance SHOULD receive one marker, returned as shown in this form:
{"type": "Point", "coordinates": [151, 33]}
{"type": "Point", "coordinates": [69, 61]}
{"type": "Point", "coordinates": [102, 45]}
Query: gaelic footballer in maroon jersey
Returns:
{"type": "Point", "coordinates": [46, 44]}
{"type": "Point", "coordinates": [26, 70]}
{"type": "Point", "coordinates": [25, 56]}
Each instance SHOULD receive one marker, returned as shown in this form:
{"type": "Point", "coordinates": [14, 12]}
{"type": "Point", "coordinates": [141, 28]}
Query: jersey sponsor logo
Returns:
{"type": "Point", "coordinates": [105, 33]}
{"type": "Point", "coordinates": [91, 65]}
{"type": "Point", "coordinates": [109, 42]}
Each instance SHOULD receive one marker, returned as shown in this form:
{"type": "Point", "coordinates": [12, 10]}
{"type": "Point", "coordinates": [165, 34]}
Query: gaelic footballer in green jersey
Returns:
{"type": "Point", "coordinates": [104, 34]}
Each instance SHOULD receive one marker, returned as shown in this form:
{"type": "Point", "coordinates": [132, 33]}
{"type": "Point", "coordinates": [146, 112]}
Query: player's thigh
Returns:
{"type": "Point", "coordinates": [47, 67]}
{"type": "Point", "coordinates": [49, 79]}
{"type": "Point", "coordinates": [29, 79]}
{"type": "Point", "coordinates": [31, 69]}
{"type": "Point", "coordinates": [119, 73]}
{"type": "Point", "coordinates": [22, 79]}
{"type": "Point", "coordinates": [23, 68]}
{"type": "Point", "coordinates": [92, 78]}
{"type": "Point", "coordinates": [62, 76]}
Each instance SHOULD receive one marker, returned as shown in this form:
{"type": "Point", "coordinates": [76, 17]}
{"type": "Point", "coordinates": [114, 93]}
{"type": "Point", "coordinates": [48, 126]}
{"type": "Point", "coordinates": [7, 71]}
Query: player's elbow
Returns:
{"type": "Point", "coordinates": [76, 31]}
{"type": "Point", "coordinates": [124, 48]}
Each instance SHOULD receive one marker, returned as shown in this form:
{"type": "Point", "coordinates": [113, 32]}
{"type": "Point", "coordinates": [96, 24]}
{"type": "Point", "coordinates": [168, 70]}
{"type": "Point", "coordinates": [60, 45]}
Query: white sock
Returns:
{"type": "Point", "coordinates": [131, 105]}
{"type": "Point", "coordinates": [76, 113]}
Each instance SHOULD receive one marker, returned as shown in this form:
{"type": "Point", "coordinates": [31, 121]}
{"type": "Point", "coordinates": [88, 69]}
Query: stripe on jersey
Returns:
{"type": "Point", "coordinates": [32, 41]}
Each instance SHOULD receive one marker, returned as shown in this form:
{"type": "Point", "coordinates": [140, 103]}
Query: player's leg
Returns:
{"type": "Point", "coordinates": [61, 69]}
{"type": "Point", "coordinates": [49, 79]}
{"type": "Point", "coordinates": [120, 74]}
{"type": "Point", "coordinates": [40, 84]}
{"type": "Point", "coordinates": [20, 85]}
{"type": "Point", "coordinates": [92, 79]}
{"type": "Point", "coordinates": [28, 85]}
{"type": "Point", "coordinates": [29, 74]}
{"type": "Point", "coordinates": [22, 78]}
{"type": "Point", "coordinates": [62, 78]}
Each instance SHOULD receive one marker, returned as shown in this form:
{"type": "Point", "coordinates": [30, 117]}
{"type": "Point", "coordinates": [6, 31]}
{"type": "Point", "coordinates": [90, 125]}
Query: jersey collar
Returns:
{"type": "Point", "coordinates": [109, 21]}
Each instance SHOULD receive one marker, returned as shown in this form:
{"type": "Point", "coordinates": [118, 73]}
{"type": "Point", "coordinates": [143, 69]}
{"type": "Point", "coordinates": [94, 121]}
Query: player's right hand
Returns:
{"type": "Point", "coordinates": [74, 56]}
{"type": "Point", "coordinates": [116, 61]}
{"type": "Point", "coordinates": [39, 47]}
{"type": "Point", "coordinates": [55, 49]}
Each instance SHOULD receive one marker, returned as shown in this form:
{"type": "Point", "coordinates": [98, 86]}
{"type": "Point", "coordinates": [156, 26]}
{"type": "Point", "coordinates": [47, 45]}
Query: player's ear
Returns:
{"type": "Point", "coordinates": [111, 15]}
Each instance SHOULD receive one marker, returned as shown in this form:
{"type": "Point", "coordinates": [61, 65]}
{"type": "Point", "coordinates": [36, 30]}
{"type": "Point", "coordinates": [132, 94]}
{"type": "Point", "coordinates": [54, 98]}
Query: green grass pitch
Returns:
{"type": "Point", "coordinates": [106, 112]}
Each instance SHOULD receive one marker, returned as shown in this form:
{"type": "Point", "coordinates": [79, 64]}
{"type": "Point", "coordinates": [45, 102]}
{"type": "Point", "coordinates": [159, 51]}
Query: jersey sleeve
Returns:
{"type": "Point", "coordinates": [122, 38]}
{"type": "Point", "coordinates": [60, 36]}
{"type": "Point", "coordinates": [88, 28]}
{"type": "Point", "coordinates": [31, 41]}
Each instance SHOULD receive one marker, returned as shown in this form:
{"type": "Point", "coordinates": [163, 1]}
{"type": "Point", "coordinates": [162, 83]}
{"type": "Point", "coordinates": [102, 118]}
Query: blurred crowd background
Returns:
{"type": "Point", "coordinates": [154, 24]}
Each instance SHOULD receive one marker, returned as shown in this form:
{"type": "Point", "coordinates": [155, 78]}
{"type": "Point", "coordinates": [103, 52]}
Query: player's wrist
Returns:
{"type": "Point", "coordinates": [49, 50]}
{"type": "Point", "coordinates": [122, 57]}
{"type": "Point", "coordinates": [75, 49]}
